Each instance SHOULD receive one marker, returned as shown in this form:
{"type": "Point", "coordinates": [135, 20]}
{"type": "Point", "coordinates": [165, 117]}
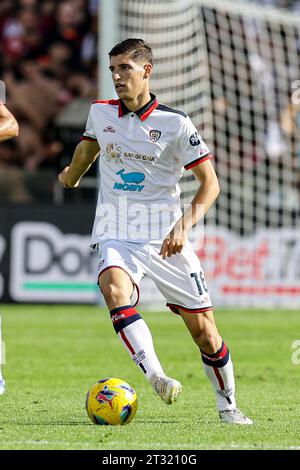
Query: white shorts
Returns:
{"type": "Point", "coordinates": [179, 277]}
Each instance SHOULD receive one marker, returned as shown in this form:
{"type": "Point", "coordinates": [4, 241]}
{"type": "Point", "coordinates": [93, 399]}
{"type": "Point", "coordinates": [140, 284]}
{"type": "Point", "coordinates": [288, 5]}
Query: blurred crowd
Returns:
{"type": "Point", "coordinates": [48, 62]}
{"type": "Point", "coordinates": [48, 59]}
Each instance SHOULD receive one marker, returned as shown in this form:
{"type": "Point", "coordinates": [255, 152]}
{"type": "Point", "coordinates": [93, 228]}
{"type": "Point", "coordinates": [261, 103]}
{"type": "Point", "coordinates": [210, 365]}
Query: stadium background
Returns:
{"type": "Point", "coordinates": [232, 66]}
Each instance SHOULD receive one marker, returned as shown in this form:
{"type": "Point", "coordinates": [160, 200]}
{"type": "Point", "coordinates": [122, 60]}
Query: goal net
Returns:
{"type": "Point", "coordinates": [234, 68]}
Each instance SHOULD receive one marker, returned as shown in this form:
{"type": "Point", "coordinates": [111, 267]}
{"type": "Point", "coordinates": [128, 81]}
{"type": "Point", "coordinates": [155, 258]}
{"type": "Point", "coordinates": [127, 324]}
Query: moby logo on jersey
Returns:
{"type": "Point", "coordinates": [131, 180]}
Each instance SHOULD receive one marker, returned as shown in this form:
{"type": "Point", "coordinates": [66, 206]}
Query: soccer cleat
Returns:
{"type": "Point", "coordinates": [168, 389]}
{"type": "Point", "coordinates": [234, 417]}
{"type": "Point", "coordinates": [2, 387]}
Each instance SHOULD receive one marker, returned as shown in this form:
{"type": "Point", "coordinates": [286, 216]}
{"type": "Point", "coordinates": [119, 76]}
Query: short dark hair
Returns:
{"type": "Point", "coordinates": [138, 50]}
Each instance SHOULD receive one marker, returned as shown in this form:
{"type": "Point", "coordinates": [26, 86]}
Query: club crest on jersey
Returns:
{"type": "Point", "coordinates": [194, 139]}
{"type": "Point", "coordinates": [154, 135]}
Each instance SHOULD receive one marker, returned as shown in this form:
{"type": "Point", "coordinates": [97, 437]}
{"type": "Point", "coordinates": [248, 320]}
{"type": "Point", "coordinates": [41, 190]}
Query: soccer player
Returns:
{"type": "Point", "coordinates": [8, 124]}
{"type": "Point", "coordinates": [8, 128]}
{"type": "Point", "coordinates": [143, 147]}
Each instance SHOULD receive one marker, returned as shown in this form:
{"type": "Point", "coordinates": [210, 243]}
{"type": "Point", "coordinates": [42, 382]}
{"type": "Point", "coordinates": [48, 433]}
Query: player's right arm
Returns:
{"type": "Point", "coordinates": [8, 124]}
{"type": "Point", "coordinates": [84, 155]}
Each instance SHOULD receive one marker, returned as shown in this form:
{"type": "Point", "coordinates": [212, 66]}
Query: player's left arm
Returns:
{"type": "Point", "coordinates": [8, 124]}
{"type": "Point", "coordinates": [205, 196]}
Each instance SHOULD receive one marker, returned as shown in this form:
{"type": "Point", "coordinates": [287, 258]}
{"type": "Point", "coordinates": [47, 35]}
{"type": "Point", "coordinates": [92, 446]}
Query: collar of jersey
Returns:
{"type": "Point", "coordinates": [143, 112]}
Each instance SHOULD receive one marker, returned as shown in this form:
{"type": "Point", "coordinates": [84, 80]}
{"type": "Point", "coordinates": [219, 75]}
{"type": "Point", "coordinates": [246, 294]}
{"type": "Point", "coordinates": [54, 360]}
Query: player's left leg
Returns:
{"type": "Point", "coordinates": [217, 363]}
{"type": "Point", "coordinates": [2, 384]}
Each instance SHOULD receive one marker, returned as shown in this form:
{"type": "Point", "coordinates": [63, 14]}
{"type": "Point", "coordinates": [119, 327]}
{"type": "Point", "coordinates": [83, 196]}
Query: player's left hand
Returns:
{"type": "Point", "coordinates": [174, 242]}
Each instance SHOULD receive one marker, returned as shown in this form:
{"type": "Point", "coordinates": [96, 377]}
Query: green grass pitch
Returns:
{"type": "Point", "coordinates": [55, 353]}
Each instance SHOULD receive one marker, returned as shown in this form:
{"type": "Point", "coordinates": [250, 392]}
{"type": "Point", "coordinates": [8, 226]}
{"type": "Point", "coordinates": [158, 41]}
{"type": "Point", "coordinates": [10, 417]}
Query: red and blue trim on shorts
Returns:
{"type": "Point", "coordinates": [175, 309]}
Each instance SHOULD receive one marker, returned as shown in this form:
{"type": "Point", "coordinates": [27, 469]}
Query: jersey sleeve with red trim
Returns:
{"type": "Point", "coordinates": [89, 133]}
{"type": "Point", "coordinates": [192, 148]}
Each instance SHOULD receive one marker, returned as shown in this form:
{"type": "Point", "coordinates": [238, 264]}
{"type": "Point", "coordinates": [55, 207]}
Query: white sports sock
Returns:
{"type": "Point", "coordinates": [219, 369]}
{"type": "Point", "coordinates": [137, 339]}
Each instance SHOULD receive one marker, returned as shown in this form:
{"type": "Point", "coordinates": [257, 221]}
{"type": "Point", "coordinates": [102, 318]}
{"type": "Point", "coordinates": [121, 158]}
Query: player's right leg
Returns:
{"type": "Point", "coordinates": [117, 287]}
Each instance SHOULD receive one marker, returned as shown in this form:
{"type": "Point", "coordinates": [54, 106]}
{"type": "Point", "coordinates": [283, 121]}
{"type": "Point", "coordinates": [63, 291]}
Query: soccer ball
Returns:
{"type": "Point", "coordinates": [111, 401]}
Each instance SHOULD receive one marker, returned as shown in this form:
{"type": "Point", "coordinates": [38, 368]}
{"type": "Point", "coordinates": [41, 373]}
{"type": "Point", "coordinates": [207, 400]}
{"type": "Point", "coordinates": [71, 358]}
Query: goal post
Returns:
{"type": "Point", "coordinates": [232, 66]}
{"type": "Point", "coordinates": [109, 35]}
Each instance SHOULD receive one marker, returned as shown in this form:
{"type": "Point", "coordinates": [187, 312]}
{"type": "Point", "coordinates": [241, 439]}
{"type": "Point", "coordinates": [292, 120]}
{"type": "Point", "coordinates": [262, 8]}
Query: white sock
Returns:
{"type": "Point", "coordinates": [219, 369]}
{"type": "Point", "coordinates": [137, 339]}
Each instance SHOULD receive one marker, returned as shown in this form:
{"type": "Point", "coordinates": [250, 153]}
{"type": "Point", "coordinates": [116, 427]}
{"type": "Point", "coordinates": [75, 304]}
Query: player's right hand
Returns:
{"type": "Point", "coordinates": [175, 241]}
{"type": "Point", "coordinates": [64, 179]}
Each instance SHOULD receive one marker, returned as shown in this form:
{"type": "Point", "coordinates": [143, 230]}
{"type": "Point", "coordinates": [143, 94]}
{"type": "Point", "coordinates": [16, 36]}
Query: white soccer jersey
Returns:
{"type": "Point", "coordinates": [142, 157]}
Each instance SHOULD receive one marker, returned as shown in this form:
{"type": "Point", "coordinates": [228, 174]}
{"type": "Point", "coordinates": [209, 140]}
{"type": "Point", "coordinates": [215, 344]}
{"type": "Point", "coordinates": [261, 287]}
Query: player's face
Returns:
{"type": "Point", "coordinates": [129, 77]}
